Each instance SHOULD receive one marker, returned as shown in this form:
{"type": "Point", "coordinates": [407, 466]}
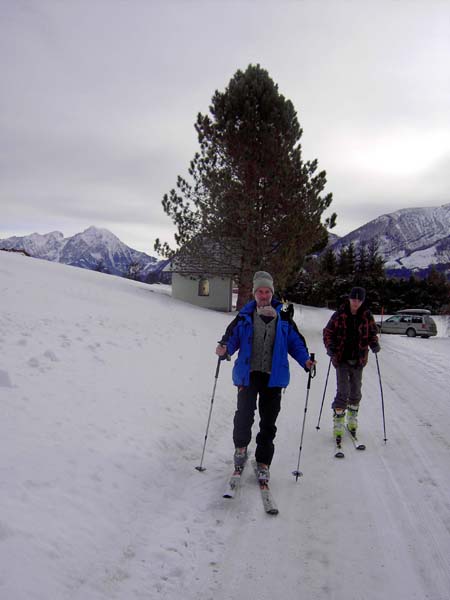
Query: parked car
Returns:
{"type": "Point", "coordinates": [412, 322]}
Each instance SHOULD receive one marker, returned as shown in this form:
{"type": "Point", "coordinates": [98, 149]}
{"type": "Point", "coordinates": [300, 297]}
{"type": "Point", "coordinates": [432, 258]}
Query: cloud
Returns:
{"type": "Point", "coordinates": [99, 100]}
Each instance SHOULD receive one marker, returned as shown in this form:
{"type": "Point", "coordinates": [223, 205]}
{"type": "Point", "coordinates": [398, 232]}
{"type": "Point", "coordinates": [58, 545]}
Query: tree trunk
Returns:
{"type": "Point", "coordinates": [245, 293]}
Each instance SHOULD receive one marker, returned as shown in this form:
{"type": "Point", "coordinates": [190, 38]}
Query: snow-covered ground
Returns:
{"type": "Point", "coordinates": [105, 390]}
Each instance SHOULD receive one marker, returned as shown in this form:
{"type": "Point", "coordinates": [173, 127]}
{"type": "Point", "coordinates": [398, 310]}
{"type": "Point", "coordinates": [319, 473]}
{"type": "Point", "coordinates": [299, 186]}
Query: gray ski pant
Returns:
{"type": "Point", "coordinates": [348, 383]}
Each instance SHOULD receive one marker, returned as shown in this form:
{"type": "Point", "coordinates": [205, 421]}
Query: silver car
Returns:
{"type": "Point", "coordinates": [412, 322]}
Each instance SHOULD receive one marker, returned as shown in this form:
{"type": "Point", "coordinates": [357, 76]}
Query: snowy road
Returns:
{"type": "Point", "coordinates": [374, 525]}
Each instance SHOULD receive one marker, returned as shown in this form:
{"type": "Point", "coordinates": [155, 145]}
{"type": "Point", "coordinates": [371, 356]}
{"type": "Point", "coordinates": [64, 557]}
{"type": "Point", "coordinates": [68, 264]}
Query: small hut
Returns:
{"type": "Point", "coordinates": [203, 273]}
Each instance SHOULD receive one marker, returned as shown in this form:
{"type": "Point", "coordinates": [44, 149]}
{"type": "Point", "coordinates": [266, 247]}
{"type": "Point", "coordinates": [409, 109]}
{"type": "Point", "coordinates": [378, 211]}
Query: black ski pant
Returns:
{"type": "Point", "coordinates": [269, 407]}
{"type": "Point", "coordinates": [348, 382]}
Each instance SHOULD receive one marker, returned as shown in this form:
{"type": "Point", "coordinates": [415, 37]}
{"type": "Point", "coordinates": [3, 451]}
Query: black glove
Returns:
{"type": "Point", "coordinates": [376, 348]}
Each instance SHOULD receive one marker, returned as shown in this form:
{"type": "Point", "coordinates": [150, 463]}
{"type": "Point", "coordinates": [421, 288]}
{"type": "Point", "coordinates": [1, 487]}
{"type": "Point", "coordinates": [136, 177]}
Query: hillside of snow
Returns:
{"type": "Point", "coordinates": [105, 390]}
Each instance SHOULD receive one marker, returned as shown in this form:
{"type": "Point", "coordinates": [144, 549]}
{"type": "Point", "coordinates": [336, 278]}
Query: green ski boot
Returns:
{"type": "Point", "coordinates": [338, 425]}
{"type": "Point", "coordinates": [352, 418]}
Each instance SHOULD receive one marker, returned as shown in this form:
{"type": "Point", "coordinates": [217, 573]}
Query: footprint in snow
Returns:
{"type": "Point", "coordinates": [51, 356]}
{"type": "Point", "coordinates": [65, 341]}
{"type": "Point", "coordinates": [5, 380]}
{"type": "Point", "coordinates": [5, 531]}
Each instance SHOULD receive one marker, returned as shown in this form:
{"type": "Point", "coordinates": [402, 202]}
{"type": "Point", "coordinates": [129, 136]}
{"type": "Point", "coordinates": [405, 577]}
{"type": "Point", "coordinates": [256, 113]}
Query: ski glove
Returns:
{"type": "Point", "coordinates": [225, 355]}
{"type": "Point", "coordinates": [376, 348]}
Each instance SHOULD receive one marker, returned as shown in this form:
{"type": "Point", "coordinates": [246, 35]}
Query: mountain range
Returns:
{"type": "Point", "coordinates": [410, 240]}
{"type": "Point", "coordinates": [95, 249]}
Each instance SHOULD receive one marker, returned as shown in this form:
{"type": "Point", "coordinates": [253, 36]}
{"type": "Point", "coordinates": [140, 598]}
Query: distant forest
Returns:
{"type": "Point", "coordinates": [326, 280]}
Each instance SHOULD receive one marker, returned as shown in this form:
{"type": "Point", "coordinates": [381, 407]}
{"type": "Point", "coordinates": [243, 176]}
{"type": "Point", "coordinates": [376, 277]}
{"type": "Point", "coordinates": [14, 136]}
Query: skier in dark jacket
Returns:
{"type": "Point", "coordinates": [349, 334]}
{"type": "Point", "coordinates": [264, 334]}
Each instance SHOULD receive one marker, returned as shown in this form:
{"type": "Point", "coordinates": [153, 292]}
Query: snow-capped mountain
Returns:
{"type": "Point", "coordinates": [410, 239]}
{"type": "Point", "coordinates": [95, 249]}
{"type": "Point", "coordinates": [46, 246]}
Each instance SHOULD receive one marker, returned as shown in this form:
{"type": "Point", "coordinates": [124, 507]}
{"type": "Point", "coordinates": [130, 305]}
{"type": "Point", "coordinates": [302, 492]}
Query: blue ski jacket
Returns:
{"type": "Point", "coordinates": [288, 339]}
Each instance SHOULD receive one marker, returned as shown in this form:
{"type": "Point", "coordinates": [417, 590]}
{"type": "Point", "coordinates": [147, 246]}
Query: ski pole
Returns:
{"type": "Point", "coordinates": [201, 467]}
{"type": "Point", "coordinates": [323, 397]}
{"type": "Point", "coordinates": [382, 398]}
{"type": "Point", "coordinates": [312, 374]}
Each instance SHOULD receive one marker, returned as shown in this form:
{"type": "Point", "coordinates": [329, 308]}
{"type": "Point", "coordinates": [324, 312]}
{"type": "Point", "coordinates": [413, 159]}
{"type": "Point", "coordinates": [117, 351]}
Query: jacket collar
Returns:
{"type": "Point", "coordinates": [250, 307]}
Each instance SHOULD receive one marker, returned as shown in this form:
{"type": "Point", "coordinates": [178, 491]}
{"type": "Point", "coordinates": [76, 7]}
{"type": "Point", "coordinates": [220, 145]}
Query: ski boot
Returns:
{"type": "Point", "coordinates": [338, 424]}
{"type": "Point", "coordinates": [263, 474]}
{"type": "Point", "coordinates": [352, 418]}
{"type": "Point", "coordinates": [240, 458]}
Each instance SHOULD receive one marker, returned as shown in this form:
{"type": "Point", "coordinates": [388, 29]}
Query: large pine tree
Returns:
{"type": "Point", "coordinates": [249, 183]}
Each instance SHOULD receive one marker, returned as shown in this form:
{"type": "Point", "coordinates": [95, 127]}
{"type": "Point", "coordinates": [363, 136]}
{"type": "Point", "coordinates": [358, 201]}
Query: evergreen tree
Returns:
{"type": "Point", "coordinates": [250, 183]}
{"type": "Point", "coordinates": [328, 262]}
{"type": "Point", "coordinates": [362, 261]}
{"type": "Point", "coordinates": [347, 261]}
{"type": "Point", "coordinates": [375, 262]}
{"type": "Point", "coordinates": [351, 259]}
{"type": "Point", "coordinates": [134, 271]}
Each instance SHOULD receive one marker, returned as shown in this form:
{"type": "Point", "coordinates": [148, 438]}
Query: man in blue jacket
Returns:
{"type": "Point", "coordinates": [264, 334]}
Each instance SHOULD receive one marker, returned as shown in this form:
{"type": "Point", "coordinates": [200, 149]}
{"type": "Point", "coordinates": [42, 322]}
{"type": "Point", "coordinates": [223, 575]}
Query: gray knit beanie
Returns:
{"type": "Point", "coordinates": [262, 279]}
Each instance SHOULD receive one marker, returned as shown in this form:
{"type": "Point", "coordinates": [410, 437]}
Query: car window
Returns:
{"type": "Point", "coordinates": [417, 319]}
{"type": "Point", "coordinates": [405, 319]}
{"type": "Point", "coordinates": [395, 319]}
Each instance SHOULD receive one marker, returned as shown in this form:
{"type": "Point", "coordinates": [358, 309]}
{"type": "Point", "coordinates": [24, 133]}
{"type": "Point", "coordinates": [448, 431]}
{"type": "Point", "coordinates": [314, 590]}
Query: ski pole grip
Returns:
{"type": "Point", "coordinates": [227, 356]}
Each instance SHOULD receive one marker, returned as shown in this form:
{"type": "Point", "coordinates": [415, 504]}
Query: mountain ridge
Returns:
{"type": "Point", "coordinates": [411, 240]}
{"type": "Point", "coordinates": [95, 248]}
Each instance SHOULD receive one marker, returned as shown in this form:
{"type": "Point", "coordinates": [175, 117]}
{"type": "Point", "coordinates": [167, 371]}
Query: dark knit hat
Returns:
{"type": "Point", "coordinates": [262, 279]}
{"type": "Point", "coordinates": [358, 293]}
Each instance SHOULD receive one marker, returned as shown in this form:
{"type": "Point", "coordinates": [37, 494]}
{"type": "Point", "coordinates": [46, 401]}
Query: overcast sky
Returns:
{"type": "Point", "coordinates": [99, 98]}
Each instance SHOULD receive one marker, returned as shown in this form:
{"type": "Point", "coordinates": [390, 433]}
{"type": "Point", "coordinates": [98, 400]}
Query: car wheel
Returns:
{"type": "Point", "coordinates": [410, 332]}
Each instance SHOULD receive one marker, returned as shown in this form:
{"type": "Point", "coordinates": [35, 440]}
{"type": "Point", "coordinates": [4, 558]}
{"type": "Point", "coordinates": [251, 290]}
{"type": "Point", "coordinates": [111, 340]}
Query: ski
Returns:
{"type": "Point", "coordinates": [234, 482]}
{"type": "Point", "coordinates": [355, 441]}
{"type": "Point", "coordinates": [266, 495]}
{"type": "Point", "coordinates": [338, 452]}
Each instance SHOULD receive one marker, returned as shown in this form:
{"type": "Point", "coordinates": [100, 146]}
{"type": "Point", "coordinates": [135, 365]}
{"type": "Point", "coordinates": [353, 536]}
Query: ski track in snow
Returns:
{"type": "Point", "coordinates": [105, 390]}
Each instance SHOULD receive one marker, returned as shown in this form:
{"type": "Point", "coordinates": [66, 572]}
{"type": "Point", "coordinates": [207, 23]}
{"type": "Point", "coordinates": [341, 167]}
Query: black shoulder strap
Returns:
{"type": "Point", "coordinates": [230, 328]}
{"type": "Point", "coordinates": [287, 313]}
